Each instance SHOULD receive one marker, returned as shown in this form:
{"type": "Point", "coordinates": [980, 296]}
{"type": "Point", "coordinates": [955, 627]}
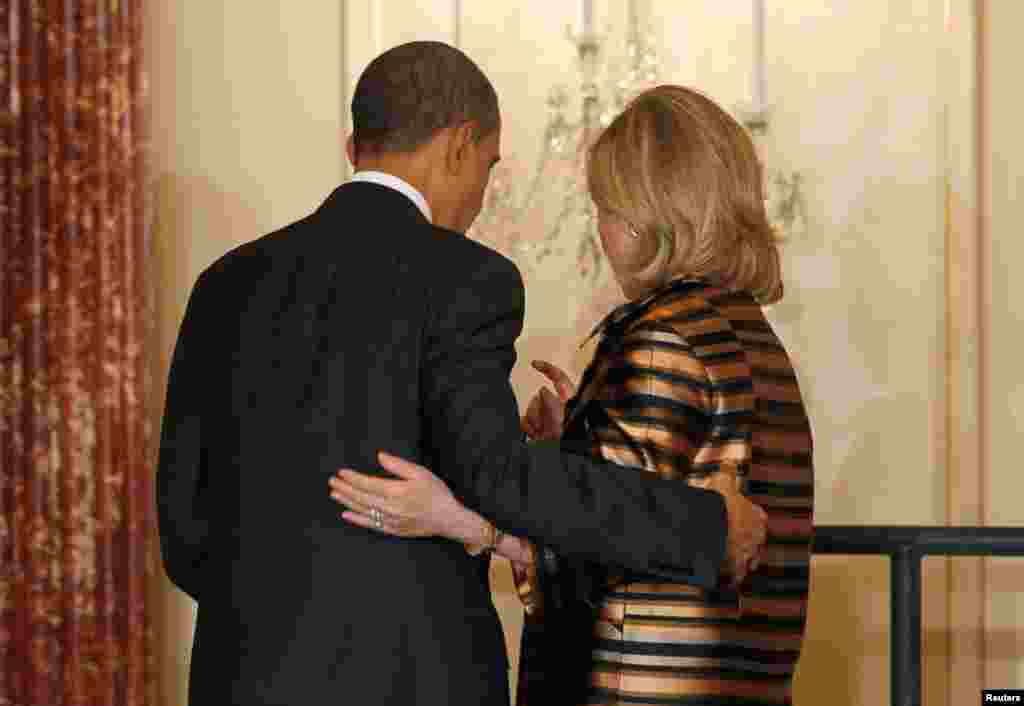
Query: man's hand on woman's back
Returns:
{"type": "Point", "coordinates": [748, 525]}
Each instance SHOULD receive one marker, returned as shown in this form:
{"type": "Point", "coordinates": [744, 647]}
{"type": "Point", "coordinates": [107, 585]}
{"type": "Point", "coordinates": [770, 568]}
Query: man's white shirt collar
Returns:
{"type": "Point", "coordinates": [399, 185]}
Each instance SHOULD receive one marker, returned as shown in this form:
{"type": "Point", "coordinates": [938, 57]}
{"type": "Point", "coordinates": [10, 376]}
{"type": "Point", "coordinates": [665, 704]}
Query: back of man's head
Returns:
{"type": "Point", "coordinates": [410, 92]}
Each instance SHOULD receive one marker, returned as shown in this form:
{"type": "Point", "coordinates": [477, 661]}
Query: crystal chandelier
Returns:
{"type": "Point", "coordinates": [553, 216]}
{"type": "Point", "coordinates": [555, 202]}
{"type": "Point", "coordinates": [783, 198]}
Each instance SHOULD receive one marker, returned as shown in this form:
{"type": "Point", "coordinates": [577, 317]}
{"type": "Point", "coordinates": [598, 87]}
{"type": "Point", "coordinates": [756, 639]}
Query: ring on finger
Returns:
{"type": "Point", "coordinates": [376, 517]}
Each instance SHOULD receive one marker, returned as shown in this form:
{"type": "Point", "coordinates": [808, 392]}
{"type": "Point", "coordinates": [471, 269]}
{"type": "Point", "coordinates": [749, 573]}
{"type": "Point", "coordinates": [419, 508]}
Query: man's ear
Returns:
{"type": "Point", "coordinates": [461, 143]}
{"type": "Point", "coordinates": [350, 149]}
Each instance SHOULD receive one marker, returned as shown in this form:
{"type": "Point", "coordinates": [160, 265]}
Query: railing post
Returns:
{"type": "Point", "coordinates": [905, 545]}
{"type": "Point", "coordinates": [905, 626]}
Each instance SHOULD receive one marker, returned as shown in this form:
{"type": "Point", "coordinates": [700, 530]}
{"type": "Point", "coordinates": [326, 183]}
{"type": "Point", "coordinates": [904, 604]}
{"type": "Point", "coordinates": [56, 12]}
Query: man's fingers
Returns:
{"type": "Point", "coordinates": [748, 525]}
{"type": "Point", "coordinates": [745, 564]}
{"type": "Point", "coordinates": [725, 481]}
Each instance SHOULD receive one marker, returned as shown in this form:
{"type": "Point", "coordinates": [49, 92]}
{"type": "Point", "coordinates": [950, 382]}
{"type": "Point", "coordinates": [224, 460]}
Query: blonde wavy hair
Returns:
{"type": "Point", "coordinates": [685, 175]}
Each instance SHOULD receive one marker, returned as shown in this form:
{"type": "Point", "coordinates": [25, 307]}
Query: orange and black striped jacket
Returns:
{"type": "Point", "coordinates": [690, 381]}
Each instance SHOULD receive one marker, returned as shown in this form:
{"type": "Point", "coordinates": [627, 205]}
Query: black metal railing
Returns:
{"type": "Point", "coordinates": [905, 546]}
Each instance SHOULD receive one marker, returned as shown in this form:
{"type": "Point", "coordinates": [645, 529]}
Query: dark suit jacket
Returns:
{"type": "Point", "coordinates": [359, 328]}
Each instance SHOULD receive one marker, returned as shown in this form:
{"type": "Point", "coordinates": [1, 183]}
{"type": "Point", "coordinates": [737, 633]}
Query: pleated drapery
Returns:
{"type": "Point", "coordinates": [75, 468]}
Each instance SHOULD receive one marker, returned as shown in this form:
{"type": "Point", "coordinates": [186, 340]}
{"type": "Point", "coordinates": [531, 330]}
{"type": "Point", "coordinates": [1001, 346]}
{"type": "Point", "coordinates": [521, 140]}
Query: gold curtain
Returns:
{"type": "Point", "coordinates": [75, 471]}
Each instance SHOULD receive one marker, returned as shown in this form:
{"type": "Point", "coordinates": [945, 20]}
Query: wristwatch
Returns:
{"type": "Point", "coordinates": [494, 536]}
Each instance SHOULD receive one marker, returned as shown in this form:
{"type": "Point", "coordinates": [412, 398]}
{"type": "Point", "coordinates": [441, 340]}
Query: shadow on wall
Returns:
{"type": "Point", "coordinates": [195, 222]}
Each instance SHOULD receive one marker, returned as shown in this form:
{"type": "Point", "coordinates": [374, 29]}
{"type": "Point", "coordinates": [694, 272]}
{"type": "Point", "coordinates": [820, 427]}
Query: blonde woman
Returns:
{"type": "Point", "coordinates": [689, 382]}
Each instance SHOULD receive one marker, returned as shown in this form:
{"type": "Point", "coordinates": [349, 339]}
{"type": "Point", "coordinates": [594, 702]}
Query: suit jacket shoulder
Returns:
{"type": "Point", "coordinates": [469, 260]}
{"type": "Point", "coordinates": [250, 258]}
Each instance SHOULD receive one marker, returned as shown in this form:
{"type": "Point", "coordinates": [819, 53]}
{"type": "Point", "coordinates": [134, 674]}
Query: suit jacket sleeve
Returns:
{"type": "Point", "coordinates": [180, 468]}
{"type": "Point", "coordinates": [578, 506]}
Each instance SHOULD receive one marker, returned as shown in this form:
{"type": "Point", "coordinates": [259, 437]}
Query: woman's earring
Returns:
{"type": "Point", "coordinates": [633, 233]}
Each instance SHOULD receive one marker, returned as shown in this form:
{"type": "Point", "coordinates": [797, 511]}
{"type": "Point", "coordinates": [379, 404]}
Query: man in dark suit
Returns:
{"type": "Point", "coordinates": [375, 324]}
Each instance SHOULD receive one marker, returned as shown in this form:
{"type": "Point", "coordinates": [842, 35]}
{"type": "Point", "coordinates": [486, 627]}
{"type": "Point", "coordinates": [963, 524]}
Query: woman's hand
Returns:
{"type": "Point", "coordinates": [417, 504]}
{"type": "Point", "coordinates": [546, 412]}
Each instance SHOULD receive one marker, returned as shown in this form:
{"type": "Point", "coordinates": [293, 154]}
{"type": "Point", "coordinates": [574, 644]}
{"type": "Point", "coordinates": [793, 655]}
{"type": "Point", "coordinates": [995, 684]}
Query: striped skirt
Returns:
{"type": "Point", "coordinates": [659, 644]}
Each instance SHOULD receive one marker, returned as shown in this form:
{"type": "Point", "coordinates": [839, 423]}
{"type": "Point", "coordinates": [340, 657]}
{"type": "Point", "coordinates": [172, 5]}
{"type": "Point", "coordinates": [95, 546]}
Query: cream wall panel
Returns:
{"type": "Point", "coordinates": [406, 22]}
{"type": "Point", "coordinates": [360, 43]}
{"type": "Point", "coordinates": [1003, 167]}
{"type": "Point", "coordinates": [246, 106]}
{"type": "Point", "coordinates": [965, 480]}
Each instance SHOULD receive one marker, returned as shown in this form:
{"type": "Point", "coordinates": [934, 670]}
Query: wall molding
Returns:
{"type": "Point", "coordinates": [964, 419]}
